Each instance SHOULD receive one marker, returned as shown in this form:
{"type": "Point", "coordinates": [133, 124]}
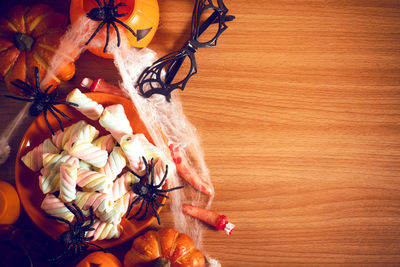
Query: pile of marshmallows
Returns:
{"type": "Point", "coordinates": [89, 170]}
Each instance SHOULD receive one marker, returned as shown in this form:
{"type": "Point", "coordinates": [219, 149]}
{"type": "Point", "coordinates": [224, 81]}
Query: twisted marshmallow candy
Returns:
{"type": "Point", "coordinates": [68, 177]}
{"type": "Point", "coordinates": [86, 106]}
{"type": "Point", "coordinates": [90, 153]}
{"type": "Point", "coordinates": [33, 159]}
{"type": "Point", "coordinates": [55, 207]}
{"type": "Point", "coordinates": [115, 121]}
{"type": "Point", "coordinates": [94, 181]}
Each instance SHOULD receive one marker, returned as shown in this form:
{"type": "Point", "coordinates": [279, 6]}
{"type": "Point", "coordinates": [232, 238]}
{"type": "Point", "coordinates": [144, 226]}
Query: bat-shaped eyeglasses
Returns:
{"type": "Point", "coordinates": [152, 81]}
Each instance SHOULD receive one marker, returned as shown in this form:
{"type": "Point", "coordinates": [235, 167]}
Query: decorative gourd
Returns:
{"type": "Point", "coordinates": [142, 15]}
{"type": "Point", "coordinates": [165, 247]}
{"type": "Point", "coordinates": [29, 37]}
{"type": "Point", "coordinates": [100, 259]}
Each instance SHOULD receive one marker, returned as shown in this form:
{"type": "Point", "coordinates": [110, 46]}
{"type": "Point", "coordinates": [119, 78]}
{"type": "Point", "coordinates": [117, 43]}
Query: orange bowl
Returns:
{"type": "Point", "coordinates": [27, 181]}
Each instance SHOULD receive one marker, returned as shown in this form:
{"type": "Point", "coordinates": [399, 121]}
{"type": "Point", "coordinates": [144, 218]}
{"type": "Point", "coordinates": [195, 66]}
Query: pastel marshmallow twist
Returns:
{"type": "Point", "coordinates": [52, 205]}
{"type": "Point", "coordinates": [49, 181]}
{"type": "Point", "coordinates": [122, 185]}
{"type": "Point", "coordinates": [86, 105]}
{"type": "Point", "coordinates": [53, 161]}
{"type": "Point", "coordinates": [68, 177]}
{"type": "Point", "coordinates": [94, 181]}
{"type": "Point", "coordinates": [116, 162]}
{"type": "Point", "coordinates": [87, 133]}
{"type": "Point", "coordinates": [89, 153]}
{"type": "Point", "coordinates": [105, 142]}
{"type": "Point", "coordinates": [115, 121]}
{"type": "Point", "coordinates": [33, 159]}
{"type": "Point", "coordinates": [103, 230]}
{"type": "Point", "coordinates": [117, 212]}
{"type": "Point", "coordinates": [100, 202]}
{"type": "Point", "coordinates": [61, 138]}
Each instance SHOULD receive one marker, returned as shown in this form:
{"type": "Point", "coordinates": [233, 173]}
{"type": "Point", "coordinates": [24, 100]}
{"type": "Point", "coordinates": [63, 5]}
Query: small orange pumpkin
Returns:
{"type": "Point", "coordinates": [29, 37]}
{"type": "Point", "coordinates": [100, 259]}
{"type": "Point", "coordinates": [163, 247]}
{"type": "Point", "coordinates": [141, 15]}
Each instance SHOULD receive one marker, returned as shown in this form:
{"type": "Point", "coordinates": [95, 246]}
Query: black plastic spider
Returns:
{"type": "Point", "coordinates": [108, 14]}
{"type": "Point", "coordinates": [42, 101]}
{"type": "Point", "coordinates": [148, 192]}
{"type": "Point", "coordinates": [75, 238]}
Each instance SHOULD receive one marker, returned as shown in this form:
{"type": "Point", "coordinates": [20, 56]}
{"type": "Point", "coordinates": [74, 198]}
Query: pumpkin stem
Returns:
{"type": "Point", "coordinates": [162, 262]}
{"type": "Point", "coordinates": [23, 41]}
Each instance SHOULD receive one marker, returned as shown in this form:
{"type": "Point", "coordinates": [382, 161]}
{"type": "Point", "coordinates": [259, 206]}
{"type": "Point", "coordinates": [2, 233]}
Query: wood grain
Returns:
{"type": "Point", "coordinates": [298, 109]}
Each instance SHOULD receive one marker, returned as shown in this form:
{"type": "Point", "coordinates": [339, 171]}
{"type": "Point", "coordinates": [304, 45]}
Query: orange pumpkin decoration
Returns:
{"type": "Point", "coordinates": [100, 259]}
{"type": "Point", "coordinates": [29, 37]}
{"type": "Point", "coordinates": [163, 247]}
{"type": "Point", "coordinates": [141, 15]}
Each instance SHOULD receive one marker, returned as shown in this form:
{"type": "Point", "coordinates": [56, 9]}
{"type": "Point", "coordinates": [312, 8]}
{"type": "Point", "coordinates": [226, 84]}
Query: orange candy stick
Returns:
{"type": "Point", "coordinates": [99, 85]}
{"type": "Point", "coordinates": [220, 222]}
{"type": "Point", "coordinates": [188, 173]}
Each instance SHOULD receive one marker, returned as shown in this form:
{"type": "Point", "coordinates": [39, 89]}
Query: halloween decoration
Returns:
{"type": "Point", "coordinates": [29, 37]}
{"type": "Point", "coordinates": [188, 173]}
{"type": "Point", "coordinates": [164, 85]}
{"type": "Point", "coordinates": [220, 222]}
{"type": "Point", "coordinates": [75, 237]}
{"type": "Point", "coordinates": [166, 247]}
{"type": "Point", "coordinates": [99, 85]}
{"type": "Point", "coordinates": [100, 259]}
{"type": "Point", "coordinates": [42, 100]}
{"type": "Point", "coordinates": [148, 192]}
{"type": "Point", "coordinates": [9, 204]}
{"type": "Point", "coordinates": [137, 20]}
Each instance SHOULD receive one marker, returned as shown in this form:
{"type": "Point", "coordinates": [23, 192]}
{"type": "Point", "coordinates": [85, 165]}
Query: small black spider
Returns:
{"type": "Point", "coordinates": [75, 238]}
{"type": "Point", "coordinates": [148, 192]}
{"type": "Point", "coordinates": [108, 14]}
{"type": "Point", "coordinates": [42, 101]}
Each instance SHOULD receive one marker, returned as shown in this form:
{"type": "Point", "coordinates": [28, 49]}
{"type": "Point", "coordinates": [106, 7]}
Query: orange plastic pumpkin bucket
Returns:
{"type": "Point", "coordinates": [142, 16]}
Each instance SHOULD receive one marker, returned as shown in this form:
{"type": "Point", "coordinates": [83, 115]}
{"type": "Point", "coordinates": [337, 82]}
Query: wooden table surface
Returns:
{"type": "Point", "coordinates": [298, 110]}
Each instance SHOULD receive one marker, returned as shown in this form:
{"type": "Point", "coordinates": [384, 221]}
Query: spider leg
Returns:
{"type": "Point", "coordinates": [88, 238]}
{"type": "Point", "coordinates": [107, 38]}
{"type": "Point", "coordinates": [131, 206]}
{"type": "Point", "coordinates": [159, 204]}
{"type": "Point", "coordinates": [111, 3]}
{"type": "Point", "coordinates": [37, 84]}
{"type": "Point", "coordinates": [97, 246]}
{"type": "Point", "coordinates": [171, 189]}
{"type": "Point", "coordinates": [99, 3]}
{"type": "Point", "coordinates": [95, 32]}
{"type": "Point", "coordinates": [58, 118]}
{"type": "Point", "coordinates": [82, 218]}
{"type": "Point", "coordinates": [144, 213]}
{"type": "Point", "coordinates": [75, 212]}
{"type": "Point", "coordinates": [60, 112]}
{"type": "Point", "coordinates": [138, 211]}
{"type": "Point", "coordinates": [48, 88]}
{"type": "Point", "coordinates": [155, 213]}
{"type": "Point", "coordinates": [117, 32]}
{"type": "Point", "coordinates": [137, 175]}
{"type": "Point", "coordinates": [121, 4]}
{"type": "Point", "coordinates": [126, 26]}
{"type": "Point", "coordinates": [152, 172]}
{"type": "Point", "coordinates": [20, 98]}
{"type": "Point", "coordinates": [91, 216]}
{"type": "Point", "coordinates": [105, 3]}
{"type": "Point", "coordinates": [66, 103]}
{"type": "Point", "coordinates": [47, 121]}
{"type": "Point", "coordinates": [165, 177]}
{"type": "Point", "coordinates": [60, 219]}
{"type": "Point", "coordinates": [25, 87]}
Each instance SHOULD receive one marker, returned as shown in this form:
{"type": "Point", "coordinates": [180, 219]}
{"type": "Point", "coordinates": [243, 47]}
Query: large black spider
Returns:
{"type": "Point", "coordinates": [42, 101]}
{"type": "Point", "coordinates": [108, 14]}
{"type": "Point", "coordinates": [75, 238]}
{"type": "Point", "coordinates": [148, 192]}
